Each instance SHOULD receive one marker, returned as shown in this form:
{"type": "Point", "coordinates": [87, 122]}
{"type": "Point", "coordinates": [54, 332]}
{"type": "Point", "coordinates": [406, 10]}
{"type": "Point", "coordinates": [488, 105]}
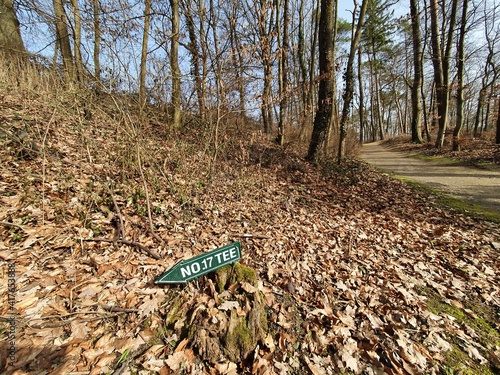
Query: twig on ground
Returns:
{"type": "Point", "coordinates": [7, 224]}
{"type": "Point", "coordinates": [148, 204]}
{"type": "Point", "coordinates": [250, 235]}
{"type": "Point", "coordinates": [120, 233]}
{"type": "Point", "coordinates": [129, 243]}
{"type": "Point", "coordinates": [118, 309]}
{"type": "Point", "coordinates": [66, 322]}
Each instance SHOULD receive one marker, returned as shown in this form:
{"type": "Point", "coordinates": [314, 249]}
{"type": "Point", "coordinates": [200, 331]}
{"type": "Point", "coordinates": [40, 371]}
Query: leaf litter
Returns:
{"type": "Point", "coordinates": [348, 259]}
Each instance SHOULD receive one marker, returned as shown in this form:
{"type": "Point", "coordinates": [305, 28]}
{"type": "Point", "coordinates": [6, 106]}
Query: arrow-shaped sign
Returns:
{"type": "Point", "coordinates": [193, 268]}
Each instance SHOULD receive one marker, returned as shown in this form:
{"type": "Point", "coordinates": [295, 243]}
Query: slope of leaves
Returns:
{"type": "Point", "coordinates": [473, 151]}
{"type": "Point", "coordinates": [357, 269]}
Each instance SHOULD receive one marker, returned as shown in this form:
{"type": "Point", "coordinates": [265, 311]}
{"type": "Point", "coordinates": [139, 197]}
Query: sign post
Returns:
{"type": "Point", "coordinates": [193, 268]}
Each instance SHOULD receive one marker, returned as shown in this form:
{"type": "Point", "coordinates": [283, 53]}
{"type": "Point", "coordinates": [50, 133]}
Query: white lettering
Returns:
{"type": "Point", "coordinates": [218, 258]}
{"type": "Point", "coordinates": [185, 272]}
{"type": "Point", "coordinates": [225, 255]}
{"type": "Point", "coordinates": [232, 253]}
{"type": "Point", "coordinates": [195, 268]}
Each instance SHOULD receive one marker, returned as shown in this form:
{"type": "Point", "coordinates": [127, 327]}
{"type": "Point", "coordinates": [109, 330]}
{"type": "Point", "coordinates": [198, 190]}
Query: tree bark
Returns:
{"type": "Point", "coordinates": [284, 75]}
{"type": "Point", "coordinates": [77, 39]}
{"type": "Point", "coordinates": [174, 66]}
{"type": "Point", "coordinates": [437, 61]}
{"type": "Point", "coordinates": [144, 56]}
{"type": "Point", "coordinates": [416, 99]}
{"type": "Point", "coordinates": [63, 41]}
{"type": "Point", "coordinates": [302, 64]}
{"type": "Point", "coordinates": [349, 80]}
{"type": "Point", "coordinates": [237, 61]}
{"type": "Point", "coordinates": [497, 138]}
{"type": "Point", "coordinates": [460, 78]}
{"type": "Point", "coordinates": [441, 63]}
{"type": "Point", "coordinates": [194, 50]}
{"type": "Point", "coordinates": [361, 101]}
{"type": "Point", "coordinates": [11, 42]}
{"type": "Point", "coordinates": [97, 43]}
{"type": "Point", "coordinates": [326, 84]}
{"type": "Point", "coordinates": [265, 35]}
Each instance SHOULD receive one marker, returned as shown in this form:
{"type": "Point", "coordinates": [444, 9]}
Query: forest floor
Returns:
{"type": "Point", "coordinates": [472, 179]}
{"type": "Point", "coordinates": [360, 273]}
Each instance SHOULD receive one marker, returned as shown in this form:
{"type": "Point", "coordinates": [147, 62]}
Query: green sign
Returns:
{"type": "Point", "coordinates": [193, 268]}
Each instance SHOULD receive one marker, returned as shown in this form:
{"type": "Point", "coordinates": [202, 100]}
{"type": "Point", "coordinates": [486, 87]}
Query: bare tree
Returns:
{"type": "Point", "coordinates": [460, 78]}
{"type": "Point", "coordinates": [174, 65]}
{"type": "Point", "coordinates": [497, 138]}
{"type": "Point", "coordinates": [63, 40]}
{"type": "Point", "coordinates": [144, 55]}
{"type": "Point", "coordinates": [10, 34]}
{"type": "Point", "coordinates": [416, 98]}
{"type": "Point", "coordinates": [326, 84]}
{"type": "Point", "coordinates": [349, 78]}
{"type": "Point", "coordinates": [283, 76]}
{"type": "Point", "coordinates": [491, 70]}
{"type": "Point", "coordinates": [97, 41]}
{"type": "Point", "coordinates": [77, 39]}
{"type": "Point", "coordinates": [196, 41]}
{"type": "Point", "coordinates": [265, 22]}
{"type": "Point", "coordinates": [441, 63]}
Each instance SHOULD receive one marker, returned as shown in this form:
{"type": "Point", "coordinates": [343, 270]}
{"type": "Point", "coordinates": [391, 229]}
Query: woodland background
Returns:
{"type": "Point", "coordinates": [431, 68]}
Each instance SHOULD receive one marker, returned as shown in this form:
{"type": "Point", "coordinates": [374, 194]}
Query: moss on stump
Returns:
{"type": "Point", "coordinates": [229, 324]}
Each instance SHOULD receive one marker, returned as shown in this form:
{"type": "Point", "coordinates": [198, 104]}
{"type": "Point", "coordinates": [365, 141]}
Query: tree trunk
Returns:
{"type": "Point", "coordinates": [349, 80]}
{"type": "Point", "coordinates": [361, 101]}
{"type": "Point", "coordinates": [437, 61]}
{"type": "Point", "coordinates": [460, 77]}
{"type": "Point", "coordinates": [497, 138]}
{"type": "Point", "coordinates": [97, 43]}
{"type": "Point", "coordinates": [77, 39]}
{"type": "Point", "coordinates": [265, 34]}
{"type": "Point", "coordinates": [441, 65]}
{"type": "Point", "coordinates": [302, 64]}
{"type": "Point", "coordinates": [62, 33]}
{"type": "Point", "coordinates": [194, 50]}
{"type": "Point", "coordinates": [326, 84]}
{"type": "Point", "coordinates": [416, 99]}
{"type": "Point", "coordinates": [237, 60]}
{"type": "Point", "coordinates": [378, 105]}
{"type": "Point", "coordinates": [11, 43]}
{"type": "Point", "coordinates": [284, 75]}
{"type": "Point", "coordinates": [311, 100]}
{"type": "Point", "coordinates": [144, 56]}
{"type": "Point", "coordinates": [174, 66]}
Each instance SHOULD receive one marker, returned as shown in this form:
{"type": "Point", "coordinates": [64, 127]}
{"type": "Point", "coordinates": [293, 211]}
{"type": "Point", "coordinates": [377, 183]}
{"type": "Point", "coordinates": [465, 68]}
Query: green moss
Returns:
{"type": "Point", "coordinates": [230, 274]}
{"type": "Point", "coordinates": [446, 200]}
{"type": "Point", "coordinates": [477, 317]}
{"type": "Point", "coordinates": [175, 312]}
{"type": "Point", "coordinates": [239, 340]}
{"type": "Point", "coordinates": [488, 336]}
{"type": "Point", "coordinates": [459, 362]}
{"type": "Point", "coordinates": [244, 274]}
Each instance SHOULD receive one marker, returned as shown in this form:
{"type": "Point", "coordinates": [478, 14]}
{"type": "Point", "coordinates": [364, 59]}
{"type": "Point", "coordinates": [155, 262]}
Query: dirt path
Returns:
{"type": "Point", "coordinates": [474, 185]}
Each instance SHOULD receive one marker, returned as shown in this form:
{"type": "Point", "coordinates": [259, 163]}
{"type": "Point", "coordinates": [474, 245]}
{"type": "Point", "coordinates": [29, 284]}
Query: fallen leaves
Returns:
{"type": "Point", "coordinates": [346, 262]}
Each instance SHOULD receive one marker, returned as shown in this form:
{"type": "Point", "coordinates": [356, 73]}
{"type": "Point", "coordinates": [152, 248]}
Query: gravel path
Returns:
{"type": "Point", "coordinates": [472, 184]}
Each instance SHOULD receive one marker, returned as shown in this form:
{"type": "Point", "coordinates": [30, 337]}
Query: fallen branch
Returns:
{"type": "Point", "coordinates": [118, 309]}
{"type": "Point", "coordinates": [125, 242]}
{"type": "Point", "coordinates": [148, 203]}
{"type": "Point", "coordinates": [249, 235]}
{"type": "Point", "coordinates": [7, 224]}
{"type": "Point", "coordinates": [66, 322]}
{"type": "Point", "coordinates": [120, 232]}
